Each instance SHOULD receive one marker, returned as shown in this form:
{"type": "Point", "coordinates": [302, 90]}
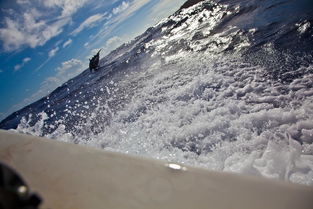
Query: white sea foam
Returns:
{"type": "Point", "coordinates": [219, 113]}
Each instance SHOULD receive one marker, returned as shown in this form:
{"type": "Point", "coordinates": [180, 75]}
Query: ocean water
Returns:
{"type": "Point", "coordinates": [225, 85]}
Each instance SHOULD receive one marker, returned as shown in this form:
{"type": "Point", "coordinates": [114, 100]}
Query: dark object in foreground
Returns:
{"type": "Point", "coordinates": [94, 62]}
{"type": "Point", "coordinates": [14, 193]}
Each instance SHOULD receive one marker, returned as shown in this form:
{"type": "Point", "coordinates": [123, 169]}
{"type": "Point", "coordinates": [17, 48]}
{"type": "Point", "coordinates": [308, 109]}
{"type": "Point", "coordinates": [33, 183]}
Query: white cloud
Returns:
{"type": "Point", "coordinates": [94, 51]}
{"type": "Point", "coordinates": [28, 32]}
{"type": "Point", "coordinates": [17, 67]}
{"type": "Point", "coordinates": [161, 9]}
{"type": "Point", "coordinates": [36, 25]}
{"type": "Point", "coordinates": [69, 65]}
{"type": "Point", "coordinates": [65, 71]}
{"type": "Point", "coordinates": [24, 61]}
{"type": "Point", "coordinates": [52, 52]}
{"type": "Point", "coordinates": [123, 6]}
{"type": "Point", "coordinates": [88, 23]}
{"type": "Point", "coordinates": [68, 7]}
{"type": "Point", "coordinates": [112, 43]}
{"type": "Point", "coordinates": [68, 42]}
{"type": "Point", "coordinates": [164, 8]}
{"type": "Point", "coordinates": [113, 22]}
{"type": "Point", "coordinates": [23, 1]}
{"type": "Point", "coordinates": [130, 10]}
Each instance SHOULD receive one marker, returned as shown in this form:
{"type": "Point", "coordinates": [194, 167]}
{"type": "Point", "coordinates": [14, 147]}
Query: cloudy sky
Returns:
{"type": "Point", "coordinates": [43, 43]}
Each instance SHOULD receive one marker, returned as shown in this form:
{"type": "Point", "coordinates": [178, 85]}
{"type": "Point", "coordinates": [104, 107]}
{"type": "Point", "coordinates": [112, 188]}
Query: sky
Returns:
{"type": "Point", "coordinates": [44, 43]}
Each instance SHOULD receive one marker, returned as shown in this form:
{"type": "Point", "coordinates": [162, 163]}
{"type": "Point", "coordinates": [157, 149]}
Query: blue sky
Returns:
{"type": "Point", "coordinates": [46, 42]}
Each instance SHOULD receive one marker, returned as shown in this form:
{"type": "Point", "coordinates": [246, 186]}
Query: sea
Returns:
{"type": "Point", "coordinates": [225, 85]}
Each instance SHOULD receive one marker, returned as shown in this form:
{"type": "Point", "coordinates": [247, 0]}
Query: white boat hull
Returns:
{"type": "Point", "coordinates": [70, 176]}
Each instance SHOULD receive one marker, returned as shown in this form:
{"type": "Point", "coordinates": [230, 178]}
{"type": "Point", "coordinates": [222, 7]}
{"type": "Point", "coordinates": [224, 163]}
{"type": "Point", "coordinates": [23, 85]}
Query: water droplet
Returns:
{"type": "Point", "coordinates": [175, 166]}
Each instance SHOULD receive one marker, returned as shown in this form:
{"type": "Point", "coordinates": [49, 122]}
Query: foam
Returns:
{"type": "Point", "coordinates": [216, 113]}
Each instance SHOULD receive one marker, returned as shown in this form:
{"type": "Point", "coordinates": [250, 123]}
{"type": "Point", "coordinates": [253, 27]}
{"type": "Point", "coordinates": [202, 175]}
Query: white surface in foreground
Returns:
{"type": "Point", "coordinates": [90, 178]}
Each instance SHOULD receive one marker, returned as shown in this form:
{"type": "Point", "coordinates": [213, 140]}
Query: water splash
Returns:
{"type": "Point", "coordinates": [203, 87]}
{"type": "Point", "coordinates": [221, 113]}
